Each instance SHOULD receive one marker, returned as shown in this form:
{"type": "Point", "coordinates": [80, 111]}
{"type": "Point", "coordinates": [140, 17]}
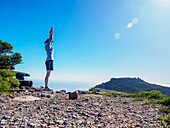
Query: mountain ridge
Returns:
{"type": "Point", "coordinates": [132, 85]}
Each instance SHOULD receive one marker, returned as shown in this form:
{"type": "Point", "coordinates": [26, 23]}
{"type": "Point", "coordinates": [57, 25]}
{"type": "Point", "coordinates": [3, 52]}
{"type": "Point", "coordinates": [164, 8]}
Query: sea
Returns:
{"type": "Point", "coordinates": [62, 85]}
{"type": "Point", "coordinates": [71, 86]}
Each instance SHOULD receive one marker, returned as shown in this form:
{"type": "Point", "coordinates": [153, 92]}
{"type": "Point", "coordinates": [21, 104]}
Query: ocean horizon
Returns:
{"type": "Point", "coordinates": [68, 86]}
{"type": "Point", "coordinates": [71, 86]}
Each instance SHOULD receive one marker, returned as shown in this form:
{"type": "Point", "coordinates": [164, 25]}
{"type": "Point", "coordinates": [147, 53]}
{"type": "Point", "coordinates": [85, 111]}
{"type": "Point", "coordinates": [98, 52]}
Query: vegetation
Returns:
{"type": "Point", "coordinates": [7, 57]}
{"type": "Point", "coordinates": [145, 94]}
{"type": "Point", "coordinates": [155, 97]}
{"type": "Point", "coordinates": [93, 89]}
{"type": "Point", "coordinates": [109, 94]}
{"type": "Point", "coordinates": [167, 119]}
{"type": "Point", "coordinates": [151, 97]}
{"type": "Point", "coordinates": [7, 82]}
{"type": "Point", "coordinates": [89, 93]}
{"type": "Point", "coordinates": [164, 109]}
{"type": "Point", "coordinates": [132, 85]}
{"type": "Point", "coordinates": [165, 101]}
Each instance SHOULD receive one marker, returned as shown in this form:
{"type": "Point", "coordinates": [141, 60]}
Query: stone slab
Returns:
{"type": "Point", "coordinates": [26, 98]}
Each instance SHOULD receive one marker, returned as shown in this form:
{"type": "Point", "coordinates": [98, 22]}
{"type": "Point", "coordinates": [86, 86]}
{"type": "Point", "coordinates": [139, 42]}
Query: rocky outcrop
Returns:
{"type": "Point", "coordinates": [24, 84]}
{"type": "Point", "coordinates": [21, 75]}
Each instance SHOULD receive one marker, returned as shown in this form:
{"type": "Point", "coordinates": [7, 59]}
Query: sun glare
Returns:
{"type": "Point", "coordinates": [129, 25]}
{"type": "Point", "coordinates": [163, 3]}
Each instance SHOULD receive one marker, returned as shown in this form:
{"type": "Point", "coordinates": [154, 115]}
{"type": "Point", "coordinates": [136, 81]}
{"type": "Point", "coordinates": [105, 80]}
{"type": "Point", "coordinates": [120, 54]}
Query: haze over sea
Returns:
{"type": "Point", "coordinates": [72, 86]}
{"type": "Point", "coordinates": [63, 85]}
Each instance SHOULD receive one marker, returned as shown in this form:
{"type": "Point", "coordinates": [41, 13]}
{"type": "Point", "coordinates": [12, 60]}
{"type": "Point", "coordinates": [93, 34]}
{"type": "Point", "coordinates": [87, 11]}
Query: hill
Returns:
{"type": "Point", "coordinates": [132, 85]}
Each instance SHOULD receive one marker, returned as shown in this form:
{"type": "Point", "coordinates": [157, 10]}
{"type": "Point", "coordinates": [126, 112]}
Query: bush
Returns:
{"type": "Point", "coordinates": [165, 101]}
{"type": "Point", "coordinates": [150, 95]}
{"type": "Point", "coordinates": [109, 94]}
{"type": "Point", "coordinates": [167, 119]}
{"type": "Point", "coordinates": [93, 89]}
{"type": "Point", "coordinates": [164, 109]}
{"type": "Point", "coordinates": [4, 85]}
{"type": "Point", "coordinates": [5, 73]}
{"type": "Point", "coordinates": [89, 93]}
{"type": "Point", "coordinates": [7, 82]}
{"type": "Point", "coordinates": [155, 95]}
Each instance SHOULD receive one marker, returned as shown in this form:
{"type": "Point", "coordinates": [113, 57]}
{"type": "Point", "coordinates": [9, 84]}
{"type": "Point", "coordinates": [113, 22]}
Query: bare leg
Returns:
{"type": "Point", "coordinates": [47, 78]}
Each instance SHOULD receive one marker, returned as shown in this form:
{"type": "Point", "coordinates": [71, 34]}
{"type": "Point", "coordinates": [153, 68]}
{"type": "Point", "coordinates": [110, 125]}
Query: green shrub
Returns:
{"type": "Point", "coordinates": [125, 95]}
{"type": "Point", "coordinates": [165, 101]}
{"type": "Point", "coordinates": [5, 73]}
{"type": "Point", "coordinates": [167, 119]}
{"type": "Point", "coordinates": [4, 86]}
{"type": "Point", "coordinates": [164, 109]}
{"type": "Point", "coordinates": [155, 95]}
{"type": "Point", "coordinates": [109, 94]}
{"type": "Point", "coordinates": [89, 93]}
{"type": "Point", "coordinates": [93, 89]}
{"type": "Point", "coordinates": [149, 95]}
{"type": "Point", "coordinates": [7, 82]}
{"type": "Point", "coordinates": [137, 99]}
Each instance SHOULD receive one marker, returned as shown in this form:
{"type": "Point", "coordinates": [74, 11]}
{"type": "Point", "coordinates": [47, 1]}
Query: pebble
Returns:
{"type": "Point", "coordinates": [51, 109]}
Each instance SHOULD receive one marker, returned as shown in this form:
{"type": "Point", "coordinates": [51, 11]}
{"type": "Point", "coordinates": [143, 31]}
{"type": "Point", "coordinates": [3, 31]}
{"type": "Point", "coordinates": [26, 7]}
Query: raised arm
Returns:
{"type": "Point", "coordinates": [51, 33]}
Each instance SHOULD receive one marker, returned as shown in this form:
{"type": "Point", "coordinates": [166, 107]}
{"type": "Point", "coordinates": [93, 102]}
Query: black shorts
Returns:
{"type": "Point", "coordinates": [49, 65]}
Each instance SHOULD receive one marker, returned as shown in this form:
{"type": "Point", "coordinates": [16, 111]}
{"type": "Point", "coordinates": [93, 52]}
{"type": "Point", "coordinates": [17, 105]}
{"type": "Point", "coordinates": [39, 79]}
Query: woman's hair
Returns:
{"type": "Point", "coordinates": [46, 40]}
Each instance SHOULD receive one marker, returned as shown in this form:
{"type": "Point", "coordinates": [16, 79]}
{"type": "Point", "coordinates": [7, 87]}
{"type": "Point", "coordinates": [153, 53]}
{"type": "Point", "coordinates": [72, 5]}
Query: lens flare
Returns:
{"type": "Point", "coordinates": [129, 25]}
{"type": "Point", "coordinates": [117, 35]}
{"type": "Point", "coordinates": [135, 20]}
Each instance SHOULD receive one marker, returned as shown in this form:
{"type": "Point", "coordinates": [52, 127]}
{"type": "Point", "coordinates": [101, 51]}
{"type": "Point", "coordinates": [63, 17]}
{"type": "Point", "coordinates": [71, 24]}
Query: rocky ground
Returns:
{"type": "Point", "coordinates": [54, 109]}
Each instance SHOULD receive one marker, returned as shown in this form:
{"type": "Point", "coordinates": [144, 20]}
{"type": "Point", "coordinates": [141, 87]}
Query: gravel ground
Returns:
{"type": "Point", "coordinates": [50, 109]}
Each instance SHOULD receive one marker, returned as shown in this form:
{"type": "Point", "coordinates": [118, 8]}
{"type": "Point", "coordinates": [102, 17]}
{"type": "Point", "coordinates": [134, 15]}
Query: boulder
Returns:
{"type": "Point", "coordinates": [73, 96]}
{"type": "Point", "coordinates": [26, 83]}
{"type": "Point", "coordinates": [20, 75]}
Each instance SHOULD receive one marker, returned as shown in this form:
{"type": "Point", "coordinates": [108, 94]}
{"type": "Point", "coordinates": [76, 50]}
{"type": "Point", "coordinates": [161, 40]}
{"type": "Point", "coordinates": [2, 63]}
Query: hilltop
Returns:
{"type": "Point", "coordinates": [132, 85]}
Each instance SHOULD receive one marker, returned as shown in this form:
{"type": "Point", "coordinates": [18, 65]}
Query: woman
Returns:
{"type": "Point", "coordinates": [50, 58]}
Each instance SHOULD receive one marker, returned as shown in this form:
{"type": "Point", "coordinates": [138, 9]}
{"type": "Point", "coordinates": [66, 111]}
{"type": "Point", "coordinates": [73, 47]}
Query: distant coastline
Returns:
{"type": "Point", "coordinates": [64, 85]}
{"type": "Point", "coordinates": [70, 86]}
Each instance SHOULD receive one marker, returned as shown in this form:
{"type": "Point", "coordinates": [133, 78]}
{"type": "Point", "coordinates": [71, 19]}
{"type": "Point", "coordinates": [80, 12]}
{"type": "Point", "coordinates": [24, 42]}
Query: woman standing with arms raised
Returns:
{"type": "Point", "coordinates": [50, 59]}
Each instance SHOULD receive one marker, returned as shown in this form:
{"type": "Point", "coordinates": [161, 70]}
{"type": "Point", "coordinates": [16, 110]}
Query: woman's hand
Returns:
{"type": "Point", "coordinates": [51, 31]}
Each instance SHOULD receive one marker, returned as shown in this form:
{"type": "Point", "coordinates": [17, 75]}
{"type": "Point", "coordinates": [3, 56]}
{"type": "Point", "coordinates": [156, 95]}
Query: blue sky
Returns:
{"type": "Point", "coordinates": [85, 47]}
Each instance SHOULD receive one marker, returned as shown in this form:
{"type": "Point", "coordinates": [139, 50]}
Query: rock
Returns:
{"type": "Point", "coordinates": [39, 108]}
{"type": "Point", "coordinates": [56, 108]}
{"type": "Point", "coordinates": [11, 96]}
{"type": "Point", "coordinates": [24, 83]}
{"type": "Point", "coordinates": [26, 98]}
{"type": "Point", "coordinates": [73, 96]}
{"type": "Point", "coordinates": [87, 111]}
{"type": "Point", "coordinates": [20, 75]}
{"type": "Point", "coordinates": [48, 96]}
{"type": "Point", "coordinates": [57, 91]}
{"type": "Point", "coordinates": [86, 100]}
{"type": "Point", "coordinates": [137, 125]}
{"type": "Point", "coordinates": [82, 92]}
{"type": "Point", "coordinates": [42, 95]}
{"type": "Point", "coordinates": [62, 91]}
{"type": "Point", "coordinates": [99, 126]}
{"type": "Point", "coordinates": [59, 121]}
